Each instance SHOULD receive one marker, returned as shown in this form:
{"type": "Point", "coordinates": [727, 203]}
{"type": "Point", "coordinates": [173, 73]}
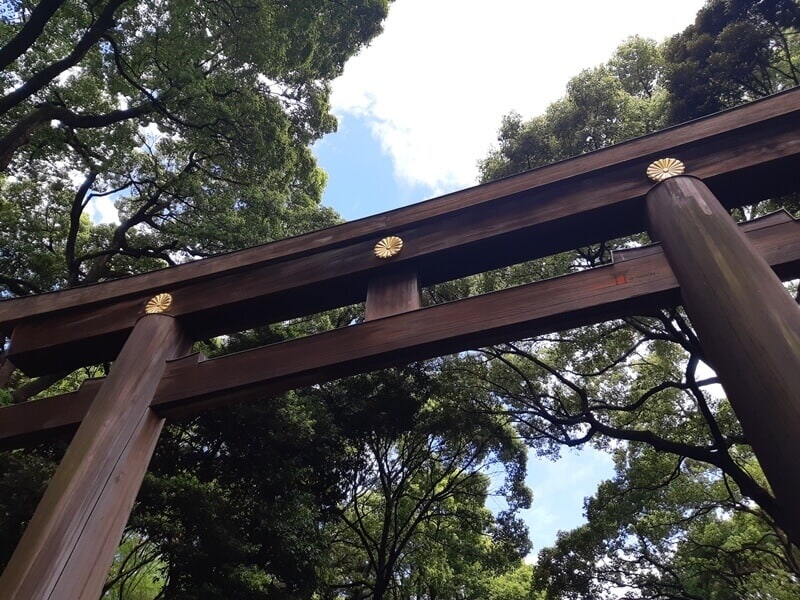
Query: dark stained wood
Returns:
{"type": "Point", "coordinates": [86, 570]}
{"type": "Point", "coordinates": [640, 279]}
{"type": "Point", "coordinates": [743, 154]}
{"type": "Point", "coordinates": [37, 421]}
{"type": "Point", "coordinates": [392, 293]}
{"type": "Point", "coordinates": [747, 323]}
{"type": "Point", "coordinates": [68, 546]}
{"type": "Point", "coordinates": [6, 370]}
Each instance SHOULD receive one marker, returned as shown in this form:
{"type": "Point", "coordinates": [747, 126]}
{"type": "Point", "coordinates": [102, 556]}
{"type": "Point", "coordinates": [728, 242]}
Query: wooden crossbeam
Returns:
{"type": "Point", "coordinates": [638, 281]}
{"type": "Point", "coordinates": [744, 155]}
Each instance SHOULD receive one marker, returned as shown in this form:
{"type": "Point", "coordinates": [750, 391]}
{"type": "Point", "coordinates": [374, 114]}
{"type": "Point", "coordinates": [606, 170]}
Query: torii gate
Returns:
{"type": "Point", "coordinates": [724, 275]}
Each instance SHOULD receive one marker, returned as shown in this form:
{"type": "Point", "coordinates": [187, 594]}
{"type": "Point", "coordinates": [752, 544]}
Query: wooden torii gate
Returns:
{"type": "Point", "coordinates": [727, 278]}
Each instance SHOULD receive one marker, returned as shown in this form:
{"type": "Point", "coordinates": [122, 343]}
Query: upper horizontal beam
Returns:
{"type": "Point", "coordinates": [639, 280]}
{"type": "Point", "coordinates": [583, 200]}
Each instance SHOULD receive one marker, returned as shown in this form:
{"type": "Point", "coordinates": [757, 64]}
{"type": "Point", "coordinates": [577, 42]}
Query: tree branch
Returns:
{"type": "Point", "coordinates": [38, 385]}
{"type": "Point", "coordinates": [19, 287]}
{"type": "Point", "coordinates": [39, 80]}
{"type": "Point", "coordinates": [78, 204]}
{"type": "Point", "coordinates": [44, 113]}
{"type": "Point", "coordinates": [30, 32]}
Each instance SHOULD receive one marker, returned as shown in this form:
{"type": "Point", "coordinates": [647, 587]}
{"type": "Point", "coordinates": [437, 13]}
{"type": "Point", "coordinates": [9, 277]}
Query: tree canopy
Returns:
{"type": "Point", "coordinates": [413, 521]}
{"type": "Point", "coordinates": [193, 120]}
{"type": "Point", "coordinates": [736, 50]}
{"type": "Point", "coordinates": [689, 514]}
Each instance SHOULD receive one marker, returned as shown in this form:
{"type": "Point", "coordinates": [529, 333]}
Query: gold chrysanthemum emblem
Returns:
{"type": "Point", "coordinates": [388, 247]}
{"type": "Point", "coordinates": [664, 168]}
{"type": "Point", "coordinates": [158, 304]}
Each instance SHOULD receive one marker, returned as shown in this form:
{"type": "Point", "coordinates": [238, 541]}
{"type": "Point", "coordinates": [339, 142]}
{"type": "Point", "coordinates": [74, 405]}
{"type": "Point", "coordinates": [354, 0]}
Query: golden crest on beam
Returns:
{"type": "Point", "coordinates": [388, 247]}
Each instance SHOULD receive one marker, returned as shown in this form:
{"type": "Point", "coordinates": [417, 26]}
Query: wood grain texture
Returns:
{"type": "Point", "coordinates": [392, 293]}
{"type": "Point", "coordinates": [640, 279]}
{"type": "Point", "coordinates": [95, 485]}
{"type": "Point", "coordinates": [744, 154]}
{"type": "Point", "coordinates": [747, 323]}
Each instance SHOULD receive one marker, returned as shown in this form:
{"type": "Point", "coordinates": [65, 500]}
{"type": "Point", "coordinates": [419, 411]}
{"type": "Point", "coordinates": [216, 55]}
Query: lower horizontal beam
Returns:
{"type": "Point", "coordinates": [638, 281]}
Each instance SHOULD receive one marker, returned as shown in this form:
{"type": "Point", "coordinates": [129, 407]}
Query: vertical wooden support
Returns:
{"type": "Point", "coordinates": [6, 371]}
{"type": "Point", "coordinates": [391, 293]}
{"type": "Point", "coordinates": [748, 324]}
{"type": "Point", "coordinates": [69, 544]}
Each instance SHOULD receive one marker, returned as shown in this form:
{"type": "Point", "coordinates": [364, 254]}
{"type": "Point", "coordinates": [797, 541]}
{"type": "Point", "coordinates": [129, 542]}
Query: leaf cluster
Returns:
{"type": "Point", "coordinates": [636, 387]}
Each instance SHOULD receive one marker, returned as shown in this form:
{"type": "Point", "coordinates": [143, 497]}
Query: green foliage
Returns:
{"type": "Point", "coordinates": [736, 50]}
{"type": "Point", "coordinates": [514, 585]}
{"type": "Point", "coordinates": [137, 571]}
{"type": "Point", "coordinates": [689, 514]}
{"type": "Point", "coordinates": [667, 528]}
{"type": "Point", "coordinates": [194, 118]}
{"type": "Point", "coordinates": [23, 477]}
{"type": "Point", "coordinates": [604, 105]}
{"type": "Point", "coordinates": [234, 499]}
{"type": "Point", "coordinates": [413, 522]}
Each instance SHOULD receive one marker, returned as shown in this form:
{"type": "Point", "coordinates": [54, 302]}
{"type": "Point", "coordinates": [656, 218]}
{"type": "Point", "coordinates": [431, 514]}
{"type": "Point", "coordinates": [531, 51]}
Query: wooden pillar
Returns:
{"type": "Point", "coordinates": [69, 544]}
{"type": "Point", "coordinates": [392, 293]}
{"type": "Point", "coordinates": [6, 371]}
{"type": "Point", "coordinates": [748, 324]}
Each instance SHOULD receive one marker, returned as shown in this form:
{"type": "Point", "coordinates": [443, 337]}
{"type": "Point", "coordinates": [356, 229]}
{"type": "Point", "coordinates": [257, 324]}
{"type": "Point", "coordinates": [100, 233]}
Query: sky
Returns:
{"type": "Point", "coordinates": [421, 106]}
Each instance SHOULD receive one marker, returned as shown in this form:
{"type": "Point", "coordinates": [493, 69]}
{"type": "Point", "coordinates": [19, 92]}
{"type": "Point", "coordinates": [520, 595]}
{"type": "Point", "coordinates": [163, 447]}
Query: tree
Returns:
{"type": "Point", "coordinates": [193, 119]}
{"type": "Point", "coordinates": [636, 385]}
{"type": "Point", "coordinates": [735, 51]}
{"type": "Point", "coordinates": [514, 585]}
{"type": "Point", "coordinates": [200, 141]}
{"type": "Point", "coordinates": [137, 571]}
{"type": "Point", "coordinates": [234, 500]}
{"type": "Point", "coordinates": [412, 522]}
{"type": "Point", "coordinates": [668, 527]}
{"type": "Point", "coordinates": [605, 105]}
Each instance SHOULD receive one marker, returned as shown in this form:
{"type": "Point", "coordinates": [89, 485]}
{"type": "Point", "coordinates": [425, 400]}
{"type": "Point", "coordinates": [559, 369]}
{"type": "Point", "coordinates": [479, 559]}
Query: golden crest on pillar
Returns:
{"type": "Point", "coordinates": [158, 304]}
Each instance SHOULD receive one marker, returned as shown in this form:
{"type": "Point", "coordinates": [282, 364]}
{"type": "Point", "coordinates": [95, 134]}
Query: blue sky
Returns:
{"type": "Point", "coordinates": [361, 179]}
{"type": "Point", "coordinates": [420, 107]}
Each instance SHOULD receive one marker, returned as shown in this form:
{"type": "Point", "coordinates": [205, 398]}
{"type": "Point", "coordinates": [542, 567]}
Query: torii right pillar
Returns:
{"type": "Point", "coordinates": [747, 323]}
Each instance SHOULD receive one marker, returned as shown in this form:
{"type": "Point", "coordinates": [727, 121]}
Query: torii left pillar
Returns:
{"type": "Point", "coordinates": [69, 544]}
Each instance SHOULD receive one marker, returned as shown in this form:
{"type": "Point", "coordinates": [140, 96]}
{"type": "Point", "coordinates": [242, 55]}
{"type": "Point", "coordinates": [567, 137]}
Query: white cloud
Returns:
{"type": "Point", "coordinates": [102, 210]}
{"type": "Point", "coordinates": [436, 83]}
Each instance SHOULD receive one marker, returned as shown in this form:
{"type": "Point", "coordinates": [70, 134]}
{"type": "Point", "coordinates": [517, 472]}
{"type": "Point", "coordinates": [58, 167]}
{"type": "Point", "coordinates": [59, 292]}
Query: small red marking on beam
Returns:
{"type": "Point", "coordinates": [620, 279]}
